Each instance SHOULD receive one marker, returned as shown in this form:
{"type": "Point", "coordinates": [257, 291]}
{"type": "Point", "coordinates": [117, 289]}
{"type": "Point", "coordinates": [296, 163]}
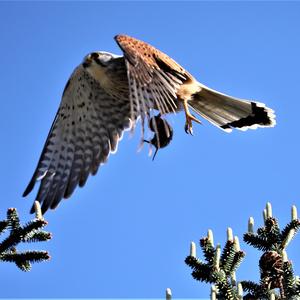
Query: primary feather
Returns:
{"type": "Point", "coordinates": [87, 127]}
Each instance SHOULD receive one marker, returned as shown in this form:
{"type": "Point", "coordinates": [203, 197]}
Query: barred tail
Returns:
{"type": "Point", "coordinates": [228, 112]}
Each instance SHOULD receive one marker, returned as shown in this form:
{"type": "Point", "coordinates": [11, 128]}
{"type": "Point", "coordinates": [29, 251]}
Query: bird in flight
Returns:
{"type": "Point", "coordinates": [107, 94]}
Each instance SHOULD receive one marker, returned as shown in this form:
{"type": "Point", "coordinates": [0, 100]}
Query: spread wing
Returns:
{"type": "Point", "coordinates": [153, 77]}
{"type": "Point", "coordinates": [87, 127]}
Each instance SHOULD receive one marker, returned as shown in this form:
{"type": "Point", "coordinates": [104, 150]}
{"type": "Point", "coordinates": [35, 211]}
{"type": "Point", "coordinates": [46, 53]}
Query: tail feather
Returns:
{"type": "Point", "coordinates": [227, 112]}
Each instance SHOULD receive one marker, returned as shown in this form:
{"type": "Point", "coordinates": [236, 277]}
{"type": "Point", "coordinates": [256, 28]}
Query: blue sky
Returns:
{"type": "Point", "coordinates": [127, 233]}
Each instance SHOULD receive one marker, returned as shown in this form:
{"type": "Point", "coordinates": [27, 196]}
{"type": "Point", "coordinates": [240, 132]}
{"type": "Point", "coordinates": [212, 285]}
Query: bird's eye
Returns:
{"type": "Point", "coordinates": [94, 55]}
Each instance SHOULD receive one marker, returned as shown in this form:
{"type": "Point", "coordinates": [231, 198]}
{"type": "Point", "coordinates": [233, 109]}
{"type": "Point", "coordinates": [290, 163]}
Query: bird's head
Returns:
{"type": "Point", "coordinates": [96, 59]}
{"type": "Point", "coordinates": [99, 65]}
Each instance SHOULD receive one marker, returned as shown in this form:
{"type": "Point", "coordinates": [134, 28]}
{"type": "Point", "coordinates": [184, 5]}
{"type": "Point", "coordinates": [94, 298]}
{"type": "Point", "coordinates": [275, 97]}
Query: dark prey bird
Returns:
{"type": "Point", "coordinates": [163, 133]}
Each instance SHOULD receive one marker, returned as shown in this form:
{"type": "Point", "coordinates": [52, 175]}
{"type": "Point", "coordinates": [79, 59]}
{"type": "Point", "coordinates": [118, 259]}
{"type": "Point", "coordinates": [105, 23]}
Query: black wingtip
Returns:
{"type": "Point", "coordinates": [29, 188]}
{"type": "Point", "coordinates": [32, 210]}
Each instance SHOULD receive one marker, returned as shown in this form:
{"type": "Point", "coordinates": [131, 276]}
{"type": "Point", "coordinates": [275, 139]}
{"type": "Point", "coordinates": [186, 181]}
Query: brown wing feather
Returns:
{"type": "Point", "coordinates": [136, 51]}
{"type": "Point", "coordinates": [154, 78]}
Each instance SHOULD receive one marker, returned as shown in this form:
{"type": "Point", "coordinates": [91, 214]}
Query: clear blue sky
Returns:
{"type": "Point", "coordinates": [126, 234]}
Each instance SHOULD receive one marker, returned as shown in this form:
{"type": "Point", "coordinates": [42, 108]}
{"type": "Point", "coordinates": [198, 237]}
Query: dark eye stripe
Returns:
{"type": "Point", "coordinates": [94, 55]}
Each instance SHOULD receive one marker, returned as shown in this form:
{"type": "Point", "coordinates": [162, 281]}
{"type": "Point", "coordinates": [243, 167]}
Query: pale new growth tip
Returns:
{"type": "Point", "coordinates": [193, 249]}
{"type": "Point", "coordinates": [251, 225]}
{"type": "Point", "coordinates": [213, 292]}
{"type": "Point", "coordinates": [229, 234]}
{"type": "Point", "coordinates": [240, 291]}
{"type": "Point", "coordinates": [168, 294]}
{"type": "Point", "coordinates": [237, 244]}
{"type": "Point", "coordinates": [288, 238]}
{"type": "Point", "coordinates": [265, 215]}
{"type": "Point", "coordinates": [38, 211]}
{"type": "Point", "coordinates": [217, 257]}
{"type": "Point", "coordinates": [269, 210]}
{"type": "Point", "coordinates": [210, 237]}
{"type": "Point", "coordinates": [233, 278]}
{"type": "Point", "coordinates": [272, 296]}
{"type": "Point", "coordinates": [294, 213]}
{"type": "Point", "coordinates": [284, 256]}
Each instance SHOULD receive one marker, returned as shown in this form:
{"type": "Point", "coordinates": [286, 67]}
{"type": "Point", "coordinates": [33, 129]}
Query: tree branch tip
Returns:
{"type": "Point", "coordinates": [192, 249]}
{"type": "Point", "coordinates": [251, 225]}
{"type": "Point", "coordinates": [269, 210]}
{"type": "Point", "coordinates": [237, 244]}
{"type": "Point", "coordinates": [294, 213]}
{"type": "Point", "coordinates": [38, 210]}
{"type": "Point", "coordinates": [229, 234]}
{"type": "Point", "coordinates": [168, 294]}
{"type": "Point", "coordinates": [210, 236]}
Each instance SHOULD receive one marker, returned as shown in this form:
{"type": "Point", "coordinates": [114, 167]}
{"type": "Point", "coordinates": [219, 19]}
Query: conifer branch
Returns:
{"type": "Point", "coordinates": [256, 241]}
{"type": "Point", "coordinates": [13, 219]}
{"type": "Point", "coordinates": [3, 226]}
{"type": "Point", "coordinates": [277, 279]}
{"type": "Point", "coordinates": [289, 279]}
{"type": "Point", "coordinates": [286, 235]}
{"type": "Point", "coordinates": [255, 291]}
{"type": "Point", "coordinates": [201, 271]}
{"type": "Point", "coordinates": [28, 233]}
{"type": "Point", "coordinates": [208, 250]}
{"type": "Point", "coordinates": [219, 266]}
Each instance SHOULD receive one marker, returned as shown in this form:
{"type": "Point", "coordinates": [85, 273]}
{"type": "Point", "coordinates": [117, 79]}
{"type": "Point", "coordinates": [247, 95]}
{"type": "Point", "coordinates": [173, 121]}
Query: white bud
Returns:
{"type": "Point", "coordinates": [193, 249]}
{"type": "Point", "coordinates": [210, 236]}
{"type": "Point", "coordinates": [217, 257]}
{"type": "Point", "coordinates": [240, 291]}
{"type": "Point", "coordinates": [168, 294]}
{"type": "Point", "coordinates": [265, 215]}
{"type": "Point", "coordinates": [38, 210]}
{"type": "Point", "coordinates": [251, 225]}
{"type": "Point", "coordinates": [284, 256]}
{"type": "Point", "coordinates": [233, 278]}
{"type": "Point", "coordinates": [237, 244]}
{"type": "Point", "coordinates": [272, 296]}
{"type": "Point", "coordinates": [294, 213]}
{"type": "Point", "coordinates": [213, 293]}
{"type": "Point", "coordinates": [269, 210]}
{"type": "Point", "coordinates": [288, 238]}
{"type": "Point", "coordinates": [229, 234]}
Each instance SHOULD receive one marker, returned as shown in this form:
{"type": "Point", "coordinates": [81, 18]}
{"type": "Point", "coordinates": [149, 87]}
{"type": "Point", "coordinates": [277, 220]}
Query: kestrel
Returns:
{"type": "Point", "coordinates": [107, 94]}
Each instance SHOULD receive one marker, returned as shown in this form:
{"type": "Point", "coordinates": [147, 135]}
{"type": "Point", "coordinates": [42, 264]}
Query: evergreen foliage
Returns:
{"type": "Point", "coordinates": [277, 279]}
{"type": "Point", "coordinates": [29, 233]}
{"type": "Point", "coordinates": [218, 268]}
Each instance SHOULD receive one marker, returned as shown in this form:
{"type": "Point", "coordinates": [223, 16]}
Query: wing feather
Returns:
{"type": "Point", "coordinates": [58, 164]}
{"type": "Point", "coordinates": [153, 77]}
{"type": "Point", "coordinates": [87, 127]}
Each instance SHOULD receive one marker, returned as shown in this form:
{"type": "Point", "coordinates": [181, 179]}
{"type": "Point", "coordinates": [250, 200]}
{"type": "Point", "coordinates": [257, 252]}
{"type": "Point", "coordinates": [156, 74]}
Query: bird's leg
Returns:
{"type": "Point", "coordinates": [188, 127]}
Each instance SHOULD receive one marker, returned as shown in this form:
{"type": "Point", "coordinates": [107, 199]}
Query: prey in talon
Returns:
{"type": "Point", "coordinates": [163, 133]}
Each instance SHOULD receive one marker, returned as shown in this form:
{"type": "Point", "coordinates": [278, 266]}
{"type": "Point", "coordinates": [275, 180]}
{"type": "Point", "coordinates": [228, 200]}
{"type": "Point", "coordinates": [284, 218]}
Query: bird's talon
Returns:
{"type": "Point", "coordinates": [188, 123]}
{"type": "Point", "coordinates": [188, 128]}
